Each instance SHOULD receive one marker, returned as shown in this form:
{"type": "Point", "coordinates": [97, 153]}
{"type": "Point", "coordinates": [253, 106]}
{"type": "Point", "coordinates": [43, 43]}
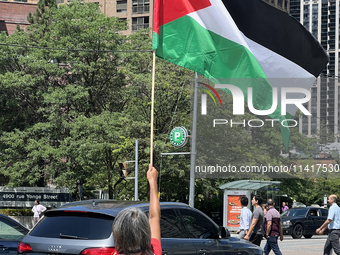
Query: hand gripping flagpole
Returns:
{"type": "Point", "coordinates": [152, 104]}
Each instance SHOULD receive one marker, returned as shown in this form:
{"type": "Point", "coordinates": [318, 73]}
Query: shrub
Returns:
{"type": "Point", "coordinates": [16, 212]}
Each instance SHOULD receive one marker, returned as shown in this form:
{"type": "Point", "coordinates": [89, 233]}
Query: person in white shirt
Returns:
{"type": "Point", "coordinates": [333, 225]}
{"type": "Point", "coordinates": [37, 210]}
{"type": "Point", "coordinates": [245, 218]}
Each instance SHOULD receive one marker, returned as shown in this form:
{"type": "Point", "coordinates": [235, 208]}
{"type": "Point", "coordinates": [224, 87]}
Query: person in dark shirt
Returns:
{"type": "Point", "coordinates": [256, 231]}
{"type": "Point", "coordinates": [273, 229]}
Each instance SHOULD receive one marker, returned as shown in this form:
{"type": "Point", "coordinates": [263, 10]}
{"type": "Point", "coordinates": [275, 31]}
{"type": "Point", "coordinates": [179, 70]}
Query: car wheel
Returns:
{"type": "Point", "coordinates": [297, 231]}
{"type": "Point", "coordinates": [308, 236]}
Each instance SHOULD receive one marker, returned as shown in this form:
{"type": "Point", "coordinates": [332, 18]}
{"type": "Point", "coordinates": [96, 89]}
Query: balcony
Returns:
{"type": "Point", "coordinates": [136, 27]}
{"type": "Point", "coordinates": [140, 9]}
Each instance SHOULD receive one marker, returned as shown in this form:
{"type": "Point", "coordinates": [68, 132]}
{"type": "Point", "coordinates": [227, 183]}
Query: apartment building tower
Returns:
{"type": "Point", "coordinates": [13, 13]}
{"type": "Point", "coordinates": [321, 18]}
{"type": "Point", "coordinates": [139, 13]}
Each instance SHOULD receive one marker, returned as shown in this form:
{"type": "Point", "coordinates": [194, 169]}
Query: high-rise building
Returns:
{"type": "Point", "coordinates": [138, 13]}
{"type": "Point", "coordinates": [321, 18]}
{"type": "Point", "coordinates": [280, 4]}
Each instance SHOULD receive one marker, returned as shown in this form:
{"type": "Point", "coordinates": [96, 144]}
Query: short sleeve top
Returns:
{"type": "Point", "coordinates": [155, 246]}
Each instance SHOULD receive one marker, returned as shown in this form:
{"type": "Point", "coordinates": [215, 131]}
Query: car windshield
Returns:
{"type": "Point", "coordinates": [295, 212]}
{"type": "Point", "coordinates": [74, 226]}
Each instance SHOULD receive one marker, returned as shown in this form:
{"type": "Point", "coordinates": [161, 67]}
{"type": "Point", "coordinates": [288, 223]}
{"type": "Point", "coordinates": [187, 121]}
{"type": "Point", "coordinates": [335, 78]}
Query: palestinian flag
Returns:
{"type": "Point", "coordinates": [239, 42]}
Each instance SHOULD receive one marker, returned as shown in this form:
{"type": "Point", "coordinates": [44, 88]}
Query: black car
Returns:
{"type": "Point", "coordinates": [303, 221]}
{"type": "Point", "coordinates": [85, 228]}
{"type": "Point", "coordinates": [11, 233]}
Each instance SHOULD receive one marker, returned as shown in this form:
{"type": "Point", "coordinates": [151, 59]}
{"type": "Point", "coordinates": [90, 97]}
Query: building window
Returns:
{"type": "Point", "coordinates": [306, 15]}
{"type": "Point", "coordinates": [140, 6]}
{"type": "Point", "coordinates": [140, 23]}
{"type": "Point", "coordinates": [122, 6]}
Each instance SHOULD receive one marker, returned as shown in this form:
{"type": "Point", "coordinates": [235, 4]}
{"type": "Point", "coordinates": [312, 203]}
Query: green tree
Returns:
{"type": "Point", "coordinates": [50, 94]}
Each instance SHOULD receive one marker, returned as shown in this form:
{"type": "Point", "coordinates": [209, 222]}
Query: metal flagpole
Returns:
{"type": "Point", "coordinates": [193, 148]}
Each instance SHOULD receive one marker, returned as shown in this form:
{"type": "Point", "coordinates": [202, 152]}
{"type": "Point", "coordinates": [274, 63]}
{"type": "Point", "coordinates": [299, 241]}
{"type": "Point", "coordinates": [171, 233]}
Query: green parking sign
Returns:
{"type": "Point", "coordinates": [179, 136]}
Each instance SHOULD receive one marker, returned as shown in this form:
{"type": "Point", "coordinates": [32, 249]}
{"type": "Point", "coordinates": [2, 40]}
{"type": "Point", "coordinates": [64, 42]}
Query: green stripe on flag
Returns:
{"type": "Point", "coordinates": [186, 43]}
{"type": "Point", "coordinates": [155, 40]}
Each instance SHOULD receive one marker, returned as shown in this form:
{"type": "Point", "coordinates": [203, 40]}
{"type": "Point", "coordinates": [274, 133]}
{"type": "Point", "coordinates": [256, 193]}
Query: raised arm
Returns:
{"type": "Point", "coordinates": [155, 209]}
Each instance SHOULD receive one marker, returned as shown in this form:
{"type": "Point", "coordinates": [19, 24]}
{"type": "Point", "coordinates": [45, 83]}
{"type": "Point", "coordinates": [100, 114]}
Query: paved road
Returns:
{"type": "Point", "coordinates": [311, 246]}
{"type": "Point", "coordinates": [303, 246]}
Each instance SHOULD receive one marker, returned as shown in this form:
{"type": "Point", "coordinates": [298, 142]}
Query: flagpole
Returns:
{"type": "Point", "coordinates": [152, 104]}
{"type": "Point", "coordinates": [193, 148]}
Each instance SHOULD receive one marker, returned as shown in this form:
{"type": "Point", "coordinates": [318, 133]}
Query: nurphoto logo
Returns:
{"type": "Point", "coordinates": [238, 104]}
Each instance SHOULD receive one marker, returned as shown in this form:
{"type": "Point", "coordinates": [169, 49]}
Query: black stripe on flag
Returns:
{"type": "Point", "coordinates": [279, 32]}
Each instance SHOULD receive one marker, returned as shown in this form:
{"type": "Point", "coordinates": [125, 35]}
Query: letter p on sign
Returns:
{"type": "Point", "coordinates": [177, 135]}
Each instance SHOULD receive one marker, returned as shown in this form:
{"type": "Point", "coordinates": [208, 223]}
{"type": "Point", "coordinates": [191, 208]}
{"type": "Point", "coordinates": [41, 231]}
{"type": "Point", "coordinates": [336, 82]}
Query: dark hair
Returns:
{"type": "Point", "coordinates": [259, 199]}
{"type": "Point", "coordinates": [37, 201]}
{"type": "Point", "coordinates": [244, 201]}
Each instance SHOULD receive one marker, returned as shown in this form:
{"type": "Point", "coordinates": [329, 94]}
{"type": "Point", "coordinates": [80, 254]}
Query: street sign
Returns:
{"type": "Point", "coordinates": [179, 136]}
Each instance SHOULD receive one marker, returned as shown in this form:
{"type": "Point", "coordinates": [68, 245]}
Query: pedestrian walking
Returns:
{"type": "Point", "coordinates": [37, 209]}
{"type": "Point", "coordinates": [273, 229]}
{"type": "Point", "coordinates": [256, 229]}
{"type": "Point", "coordinates": [333, 224]}
{"type": "Point", "coordinates": [245, 218]}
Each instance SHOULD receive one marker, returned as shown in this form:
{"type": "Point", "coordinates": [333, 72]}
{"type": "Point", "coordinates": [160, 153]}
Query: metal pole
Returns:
{"type": "Point", "coordinates": [136, 171]}
{"type": "Point", "coordinates": [193, 148]}
{"type": "Point", "coordinates": [175, 153]}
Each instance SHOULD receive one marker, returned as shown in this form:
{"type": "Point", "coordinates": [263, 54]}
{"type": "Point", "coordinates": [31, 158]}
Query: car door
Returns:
{"type": "Point", "coordinates": [11, 233]}
{"type": "Point", "coordinates": [204, 233]}
{"type": "Point", "coordinates": [323, 213]}
{"type": "Point", "coordinates": [311, 221]}
{"type": "Point", "coordinates": [173, 234]}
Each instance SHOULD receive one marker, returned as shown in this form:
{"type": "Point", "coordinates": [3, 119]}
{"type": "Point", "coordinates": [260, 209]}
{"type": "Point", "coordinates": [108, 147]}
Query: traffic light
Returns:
{"type": "Point", "coordinates": [123, 170]}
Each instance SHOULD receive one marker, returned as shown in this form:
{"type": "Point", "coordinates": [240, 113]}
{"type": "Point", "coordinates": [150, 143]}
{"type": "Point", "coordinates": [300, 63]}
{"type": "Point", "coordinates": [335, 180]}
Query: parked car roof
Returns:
{"type": "Point", "coordinates": [110, 207]}
{"type": "Point", "coordinates": [13, 221]}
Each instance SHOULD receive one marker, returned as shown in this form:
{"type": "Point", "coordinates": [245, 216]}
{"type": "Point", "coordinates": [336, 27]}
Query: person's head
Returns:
{"type": "Point", "coordinates": [131, 232]}
{"type": "Point", "coordinates": [36, 202]}
{"type": "Point", "coordinates": [270, 202]}
{"type": "Point", "coordinates": [257, 200]}
{"type": "Point", "coordinates": [283, 204]}
{"type": "Point", "coordinates": [244, 201]}
{"type": "Point", "coordinates": [264, 206]}
{"type": "Point", "coordinates": [332, 199]}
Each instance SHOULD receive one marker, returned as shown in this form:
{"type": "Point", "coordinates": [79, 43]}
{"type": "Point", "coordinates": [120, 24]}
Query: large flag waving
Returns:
{"type": "Point", "coordinates": [229, 41]}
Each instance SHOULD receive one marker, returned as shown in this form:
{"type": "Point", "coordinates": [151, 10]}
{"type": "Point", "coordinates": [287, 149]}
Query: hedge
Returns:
{"type": "Point", "coordinates": [16, 212]}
